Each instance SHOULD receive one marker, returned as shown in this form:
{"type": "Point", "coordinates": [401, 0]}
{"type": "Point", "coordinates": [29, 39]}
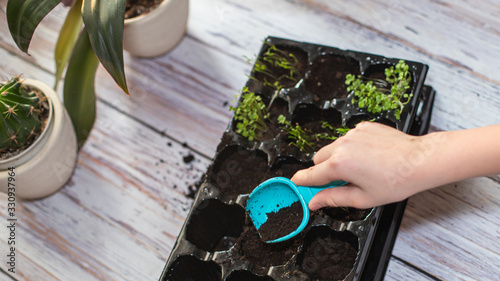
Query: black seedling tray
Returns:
{"type": "Point", "coordinates": [217, 241]}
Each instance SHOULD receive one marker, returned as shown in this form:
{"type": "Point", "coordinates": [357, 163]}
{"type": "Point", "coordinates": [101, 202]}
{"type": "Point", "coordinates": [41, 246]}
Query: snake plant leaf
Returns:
{"type": "Point", "coordinates": [23, 16]}
{"type": "Point", "coordinates": [79, 94]}
{"type": "Point", "coordinates": [104, 22]}
{"type": "Point", "coordinates": [67, 38]}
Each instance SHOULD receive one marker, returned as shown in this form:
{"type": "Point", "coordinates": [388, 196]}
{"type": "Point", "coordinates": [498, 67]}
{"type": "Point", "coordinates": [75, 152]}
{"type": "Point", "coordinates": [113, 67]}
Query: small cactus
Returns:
{"type": "Point", "coordinates": [19, 115]}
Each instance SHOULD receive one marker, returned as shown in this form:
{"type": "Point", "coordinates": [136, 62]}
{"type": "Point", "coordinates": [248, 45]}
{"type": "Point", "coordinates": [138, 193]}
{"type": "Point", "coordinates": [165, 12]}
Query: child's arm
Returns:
{"type": "Point", "coordinates": [384, 165]}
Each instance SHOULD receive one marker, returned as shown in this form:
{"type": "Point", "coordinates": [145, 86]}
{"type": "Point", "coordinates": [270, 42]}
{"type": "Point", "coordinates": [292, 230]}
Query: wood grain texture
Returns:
{"type": "Point", "coordinates": [119, 216]}
{"type": "Point", "coordinates": [457, 224]}
{"type": "Point", "coordinates": [116, 218]}
{"type": "Point", "coordinates": [398, 270]}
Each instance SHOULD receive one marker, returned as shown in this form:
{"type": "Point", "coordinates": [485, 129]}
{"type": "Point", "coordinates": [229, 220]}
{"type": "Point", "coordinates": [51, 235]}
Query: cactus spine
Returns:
{"type": "Point", "coordinates": [19, 115]}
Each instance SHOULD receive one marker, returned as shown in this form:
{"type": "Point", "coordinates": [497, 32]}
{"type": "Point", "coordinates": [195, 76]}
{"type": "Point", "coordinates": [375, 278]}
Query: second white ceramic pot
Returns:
{"type": "Point", "coordinates": [157, 32]}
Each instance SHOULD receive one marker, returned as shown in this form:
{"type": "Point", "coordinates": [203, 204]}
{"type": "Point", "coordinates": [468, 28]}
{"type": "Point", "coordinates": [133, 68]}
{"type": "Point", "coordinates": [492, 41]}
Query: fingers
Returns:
{"type": "Point", "coordinates": [342, 196]}
{"type": "Point", "coordinates": [324, 153]}
{"type": "Point", "coordinates": [319, 174]}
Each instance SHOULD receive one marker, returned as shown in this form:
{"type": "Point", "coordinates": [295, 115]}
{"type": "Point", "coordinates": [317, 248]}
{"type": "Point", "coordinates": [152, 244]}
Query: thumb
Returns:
{"type": "Point", "coordinates": [342, 196]}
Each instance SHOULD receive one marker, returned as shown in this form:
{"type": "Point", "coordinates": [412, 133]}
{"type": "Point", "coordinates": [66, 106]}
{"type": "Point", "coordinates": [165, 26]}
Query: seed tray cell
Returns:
{"type": "Point", "coordinates": [218, 238]}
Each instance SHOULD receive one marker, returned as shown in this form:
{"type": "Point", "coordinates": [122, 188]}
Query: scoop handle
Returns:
{"type": "Point", "coordinates": [308, 192]}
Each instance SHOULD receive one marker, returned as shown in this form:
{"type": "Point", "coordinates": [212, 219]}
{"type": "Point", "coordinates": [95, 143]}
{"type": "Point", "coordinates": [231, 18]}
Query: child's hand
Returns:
{"type": "Point", "coordinates": [381, 164]}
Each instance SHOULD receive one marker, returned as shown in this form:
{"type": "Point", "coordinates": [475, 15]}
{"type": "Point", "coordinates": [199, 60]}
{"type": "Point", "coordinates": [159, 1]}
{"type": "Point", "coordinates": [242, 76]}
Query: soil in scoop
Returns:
{"type": "Point", "coordinates": [328, 259]}
{"type": "Point", "coordinates": [136, 8]}
{"type": "Point", "coordinates": [281, 223]}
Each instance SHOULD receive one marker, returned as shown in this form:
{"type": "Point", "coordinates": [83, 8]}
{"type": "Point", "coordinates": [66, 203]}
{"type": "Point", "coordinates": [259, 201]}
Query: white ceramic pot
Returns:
{"type": "Point", "coordinates": [49, 162]}
{"type": "Point", "coordinates": [158, 31]}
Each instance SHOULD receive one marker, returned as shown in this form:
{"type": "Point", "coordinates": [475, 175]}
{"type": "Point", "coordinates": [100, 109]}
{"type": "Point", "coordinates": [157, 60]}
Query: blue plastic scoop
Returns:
{"type": "Point", "coordinates": [277, 193]}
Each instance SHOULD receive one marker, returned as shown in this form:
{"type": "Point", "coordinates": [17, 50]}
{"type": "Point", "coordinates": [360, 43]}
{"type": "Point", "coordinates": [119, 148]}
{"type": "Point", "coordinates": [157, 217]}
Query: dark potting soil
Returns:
{"type": "Point", "coordinates": [346, 214]}
{"type": "Point", "coordinates": [237, 171]}
{"type": "Point", "coordinates": [328, 259]}
{"type": "Point", "coordinates": [281, 223]}
{"type": "Point", "coordinates": [277, 108]}
{"type": "Point", "coordinates": [356, 119]}
{"type": "Point", "coordinates": [327, 78]}
{"type": "Point", "coordinates": [287, 167]}
{"type": "Point", "coordinates": [311, 118]}
{"type": "Point", "coordinates": [244, 275]}
{"type": "Point", "coordinates": [191, 268]}
{"type": "Point", "coordinates": [135, 8]}
{"type": "Point", "coordinates": [377, 75]}
{"type": "Point", "coordinates": [262, 254]}
{"type": "Point", "coordinates": [377, 72]}
{"type": "Point", "coordinates": [188, 158]}
{"type": "Point", "coordinates": [193, 189]}
{"type": "Point", "coordinates": [311, 128]}
{"type": "Point", "coordinates": [280, 74]}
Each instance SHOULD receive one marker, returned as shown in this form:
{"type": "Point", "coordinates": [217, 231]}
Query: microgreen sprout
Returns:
{"type": "Point", "coordinates": [273, 57]}
{"type": "Point", "coordinates": [376, 98]}
{"type": "Point", "coordinates": [281, 59]}
{"type": "Point", "coordinates": [342, 131]}
{"type": "Point", "coordinates": [338, 131]}
{"type": "Point", "coordinates": [250, 115]}
{"type": "Point", "coordinates": [302, 138]}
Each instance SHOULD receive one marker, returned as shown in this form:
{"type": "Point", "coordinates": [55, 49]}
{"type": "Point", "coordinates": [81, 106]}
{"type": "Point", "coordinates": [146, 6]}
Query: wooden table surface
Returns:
{"type": "Point", "coordinates": [120, 214]}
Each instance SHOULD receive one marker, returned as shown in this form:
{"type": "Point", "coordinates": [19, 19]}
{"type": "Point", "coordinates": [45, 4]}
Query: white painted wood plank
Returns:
{"type": "Point", "coordinates": [452, 231]}
{"type": "Point", "coordinates": [176, 98]}
{"type": "Point", "coordinates": [5, 276]}
{"type": "Point", "coordinates": [462, 33]}
{"type": "Point", "coordinates": [120, 214]}
{"type": "Point", "coordinates": [397, 271]}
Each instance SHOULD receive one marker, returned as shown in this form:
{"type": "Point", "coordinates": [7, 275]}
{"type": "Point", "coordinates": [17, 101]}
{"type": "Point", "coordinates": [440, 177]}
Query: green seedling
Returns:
{"type": "Point", "coordinates": [279, 59]}
{"type": "Point", "coordinates": [338, 131]}
{"type": "Point", "coordinates": [342, 131]}
{"type": "Point", "coordinates": [376, 98]}
{"type": "Point", "coordinates": [19, 115]}
{"type": "Point", "coordinates": [250, 115]}
{"type": "Point", "coordinates": [301, 138]}
{"type": "Point", "coordinates": [272, 59]}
